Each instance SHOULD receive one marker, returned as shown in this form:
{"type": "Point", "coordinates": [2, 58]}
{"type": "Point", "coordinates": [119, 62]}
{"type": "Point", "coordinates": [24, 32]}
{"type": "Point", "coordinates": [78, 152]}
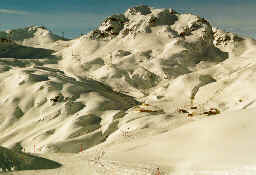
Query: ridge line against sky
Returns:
{"type": "Point", "coordinates": [81, 16]}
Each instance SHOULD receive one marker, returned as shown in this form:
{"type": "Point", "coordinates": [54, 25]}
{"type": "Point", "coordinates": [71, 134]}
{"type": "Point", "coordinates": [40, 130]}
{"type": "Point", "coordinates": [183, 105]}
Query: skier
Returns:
{"type": "Point", "coordinates": [157, 171]}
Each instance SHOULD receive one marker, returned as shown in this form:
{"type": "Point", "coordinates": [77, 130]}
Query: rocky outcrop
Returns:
{"type": "Point", "coordinates": [110, 27]}
{"type": "Point", "coordinates": [138, 10]}
{"type": "Point", "coordinates": [136, 19]}
{"type": "Point", "coordinates": [222, 38]}
{"type": "Point", "coordinates": [141, 19]}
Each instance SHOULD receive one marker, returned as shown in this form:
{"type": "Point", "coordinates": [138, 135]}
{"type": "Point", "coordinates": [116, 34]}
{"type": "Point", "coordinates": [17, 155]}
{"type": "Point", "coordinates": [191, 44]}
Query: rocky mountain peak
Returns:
{"type": "Point", "coordinates": [142, 19]}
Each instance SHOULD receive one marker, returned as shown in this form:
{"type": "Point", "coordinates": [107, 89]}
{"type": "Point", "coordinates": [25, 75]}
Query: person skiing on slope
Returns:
{"type": "Point", "coordinates": [157, 171]}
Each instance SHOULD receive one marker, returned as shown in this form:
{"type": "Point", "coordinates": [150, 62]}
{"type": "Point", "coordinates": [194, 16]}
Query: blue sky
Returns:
{"type": "Point", "coordinates": [80, 16]}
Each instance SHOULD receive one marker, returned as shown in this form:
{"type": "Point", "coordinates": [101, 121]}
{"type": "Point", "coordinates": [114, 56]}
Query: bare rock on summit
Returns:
{"type": "Point", "coordinates": [135, 20]}
{"type": "Point", "coordinates": [142, 10]}
{"type": "Point", "coordinates": [111, 26]}
{"type": "Point", "coordinates": [224, 38]}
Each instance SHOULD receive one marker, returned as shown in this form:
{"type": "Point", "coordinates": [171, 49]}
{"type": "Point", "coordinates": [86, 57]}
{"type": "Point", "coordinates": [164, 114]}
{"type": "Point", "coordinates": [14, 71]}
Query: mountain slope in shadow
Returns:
{"type": "Point", "coordinates": [11, 160]}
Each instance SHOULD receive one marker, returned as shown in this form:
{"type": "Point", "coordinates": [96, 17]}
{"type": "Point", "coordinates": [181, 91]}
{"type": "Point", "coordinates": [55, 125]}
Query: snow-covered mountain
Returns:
{"type": "Point", "coordinates": [34, 36]}
{"type": "Point", "coordinates": [136, 89]}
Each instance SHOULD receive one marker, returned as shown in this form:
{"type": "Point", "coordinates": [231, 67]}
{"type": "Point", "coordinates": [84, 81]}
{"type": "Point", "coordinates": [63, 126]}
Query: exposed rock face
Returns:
{"type": "Point", "coordinates": [229, 42]}
{"type": "Point", "coordinates": [136, 19]}
{"type": "Point", "coordinates": [224, 38]}
{"type": "Point", "coordinates": [141, 19]}
{"type": "Point", "coordinates": [142, 22]}
{"type": "Point", "coordinates": [138, 10]}
{"type": "Point", "coordinates": [220, 37]}
{"type": "Point", "coordinates": [110, 27]}
{"type": "Point", "coordinates": [113, 24]}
